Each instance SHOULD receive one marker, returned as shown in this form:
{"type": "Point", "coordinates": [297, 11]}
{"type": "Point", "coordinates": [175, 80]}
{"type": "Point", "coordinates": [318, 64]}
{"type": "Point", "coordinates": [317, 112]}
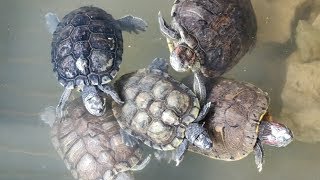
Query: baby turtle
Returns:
{"type": "Point", "coordinates": [239, 123]}
{"type": "Point", "coordinates": [91, 146]}
{"type": "Point", "coordinates": [160, 111]}
{"type": "Point", "coordinates": [209, 36]}
{"type": "Point", "coordinates": [86, 53]}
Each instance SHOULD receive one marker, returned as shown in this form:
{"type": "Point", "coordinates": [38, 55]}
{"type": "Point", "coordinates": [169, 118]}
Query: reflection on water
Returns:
{"type": "Point", "coordinates": [27, 85]}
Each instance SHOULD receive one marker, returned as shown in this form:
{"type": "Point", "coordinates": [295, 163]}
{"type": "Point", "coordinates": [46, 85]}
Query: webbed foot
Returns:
{"type": "Point", "coordinates": [108, 89]}
{"type": "Point", "coordinates": [259, 155]}
{"type": "Point", "coordinates": [52, 22]}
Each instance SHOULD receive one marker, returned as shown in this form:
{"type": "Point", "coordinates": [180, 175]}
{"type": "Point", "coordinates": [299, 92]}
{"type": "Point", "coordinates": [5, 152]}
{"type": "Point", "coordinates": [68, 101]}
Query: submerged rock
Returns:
{"type": "Point", "coordinates": [308, 40]}
{"type": "Point", "coordinates": [301, 92]}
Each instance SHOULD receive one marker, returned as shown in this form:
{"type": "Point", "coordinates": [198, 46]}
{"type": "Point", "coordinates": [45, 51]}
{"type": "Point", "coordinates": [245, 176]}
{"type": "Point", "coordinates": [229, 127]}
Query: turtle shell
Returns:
{"type": "Point", "coordinates": [157, 109]}
{"type": "Point", "coordinates": [88, 36]}
{"type": "Point", "coordinates": [224, 29]}
{"type": "Point", "coordinates": [234, 118]}
{"type": "Point", "coordinates": [91, 146]}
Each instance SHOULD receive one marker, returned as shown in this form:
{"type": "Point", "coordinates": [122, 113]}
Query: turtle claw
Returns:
{"type": "Point", "coordinates": [132, 24]}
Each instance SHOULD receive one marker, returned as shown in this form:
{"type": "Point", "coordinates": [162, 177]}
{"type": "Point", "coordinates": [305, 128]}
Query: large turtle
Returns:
{"type": "Point", "coordinates": [239, 122]}
{"type": "Point", "coordinates": [87, 49]}
{"type": "Point", "coordinates": [209, 36]}
{"type": "Point", "coordinates": [160, 111]}
{"type": "Point", "coordinates": [92, 147]}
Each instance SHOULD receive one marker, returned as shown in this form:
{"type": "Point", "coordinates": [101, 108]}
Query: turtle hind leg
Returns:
{"type": "Point", "coordinates": [128, 139]}
{"type": "Point", "coordinates": [108, 89]}
{"type": "Point", "coordinates": [259, 155]}
{"type": "Point", "coordinates": [52, 22]}
{"type": "Point", "coordinates": [142, 164]}
{"type": "Point", "coordinates": [62, 102]}
{"type": "Point", "coordinates": [132, 24]}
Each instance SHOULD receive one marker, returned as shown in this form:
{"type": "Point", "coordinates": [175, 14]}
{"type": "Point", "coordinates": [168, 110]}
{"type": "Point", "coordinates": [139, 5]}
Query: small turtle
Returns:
{"type": "Point", "coordinates": [209, 37]}
{"type": "Point", "coordinates": [86, 53]}
{"type": "Point", "coordinates": [91, 146]}
{"type": "Point", "coordinates": [239, 123]}
{"type": "Point", "coordinates": [160, 111]}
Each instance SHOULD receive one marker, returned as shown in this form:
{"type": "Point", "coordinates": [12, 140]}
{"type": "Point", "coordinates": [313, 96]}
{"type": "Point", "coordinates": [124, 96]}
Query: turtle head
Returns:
{"type": "Point", "coordinates": [275, 134]}
{"type": "Point", "coordinates": [93, 102]}
{"type": "Point", "coordinates": [198, 136]}
{"type": "Point", "coordinates": [182, 58]}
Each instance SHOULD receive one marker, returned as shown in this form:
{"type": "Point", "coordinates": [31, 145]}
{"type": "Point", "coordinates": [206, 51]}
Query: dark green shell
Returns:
{"type": "Point", "coordinates": [90, 34]}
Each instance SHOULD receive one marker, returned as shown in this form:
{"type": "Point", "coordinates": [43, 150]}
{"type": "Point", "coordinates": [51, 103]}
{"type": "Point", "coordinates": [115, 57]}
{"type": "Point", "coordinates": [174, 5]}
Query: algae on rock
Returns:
{"type": "Point", "coordinates": [301, 92]}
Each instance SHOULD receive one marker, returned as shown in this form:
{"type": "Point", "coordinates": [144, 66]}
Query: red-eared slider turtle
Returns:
{"type": "Point", "coordinates": [238, 122]}
{"type": "Point", "coordinates": [160, 111]}
{"type": "Point", "coordinates": [87, 52]}
{"type": "Point", "coordinates": [209, 36]}
{"type": "Point", "coordinates": [91, 146]}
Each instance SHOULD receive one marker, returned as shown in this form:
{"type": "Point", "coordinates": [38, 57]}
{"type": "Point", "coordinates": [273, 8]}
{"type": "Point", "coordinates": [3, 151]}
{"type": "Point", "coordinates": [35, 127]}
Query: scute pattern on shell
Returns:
{"type": "Point", "coordinates": [88, 36]}
{"type": "Point", "coordinates": [224, 29]}
{"type": "Point", "coordinates": [233, 120]}
{"type": "Point", "coordinates": [157, 108]}
{"type": "Point", "coordinates": [91, 146]}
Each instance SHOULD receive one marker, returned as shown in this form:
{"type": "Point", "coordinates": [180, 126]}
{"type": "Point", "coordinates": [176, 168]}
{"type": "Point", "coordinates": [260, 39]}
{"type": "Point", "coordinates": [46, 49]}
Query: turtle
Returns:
{"type": "Point", "coordinates": [209, 37]}
{"type": "Point", "coordinates": [87, 47]}
{"type": "Point", "coordinates": [91, 146]}
{"type": "Point", "coordinates": [160, 111]}
{"type": "Point", "coordinates": [239, 122]}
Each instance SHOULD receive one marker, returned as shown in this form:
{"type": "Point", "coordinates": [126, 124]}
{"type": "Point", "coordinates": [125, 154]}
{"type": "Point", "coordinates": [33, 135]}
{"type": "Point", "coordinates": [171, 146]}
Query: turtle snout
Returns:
{"type": "Point", "coordinates": [287, 138]}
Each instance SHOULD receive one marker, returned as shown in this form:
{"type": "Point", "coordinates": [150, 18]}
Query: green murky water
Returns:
{"type": "Point", "coordinates": [27, 85]}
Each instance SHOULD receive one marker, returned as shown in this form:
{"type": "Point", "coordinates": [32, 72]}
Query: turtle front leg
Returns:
{"type": "Point", "coordinates": [180, 151]}
{"type": "Point", "coordinates": [204, 111]}
{"type": "Point", "coordinates": [52, 22]}
{"type": "Point", "coordinates": [259, 155]}
{"type": "Point", "coordinates": [108, 89]}
{"type": "Point", "coordinates": [166, 30]}
{"type": "Point", "coordinates": [199, 87]}
{"type": "Point", "coordinates": [62, 102]}
{"type": "Point", "coordinates": [132, 24]}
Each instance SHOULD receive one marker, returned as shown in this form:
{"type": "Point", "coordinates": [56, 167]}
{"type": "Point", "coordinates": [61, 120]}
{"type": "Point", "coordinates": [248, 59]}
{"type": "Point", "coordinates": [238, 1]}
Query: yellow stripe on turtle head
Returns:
{"type": "Point", "coordinates": [170, 45]}
{"type": "Point", "coordinates": [260, 118]}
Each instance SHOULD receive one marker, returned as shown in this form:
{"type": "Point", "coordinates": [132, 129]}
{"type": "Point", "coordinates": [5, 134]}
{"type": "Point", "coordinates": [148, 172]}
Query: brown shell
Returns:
{"type": "Point", "coordinates": [234, 118]}
{"type": "Point", "coordinates": [225, 31]}
{"type": "Point", "coordinates": [91, 146]}
{"type": "Point", "coordinates": [157, 108]}
{"type": "Point", "coordinates": [91, 34]}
